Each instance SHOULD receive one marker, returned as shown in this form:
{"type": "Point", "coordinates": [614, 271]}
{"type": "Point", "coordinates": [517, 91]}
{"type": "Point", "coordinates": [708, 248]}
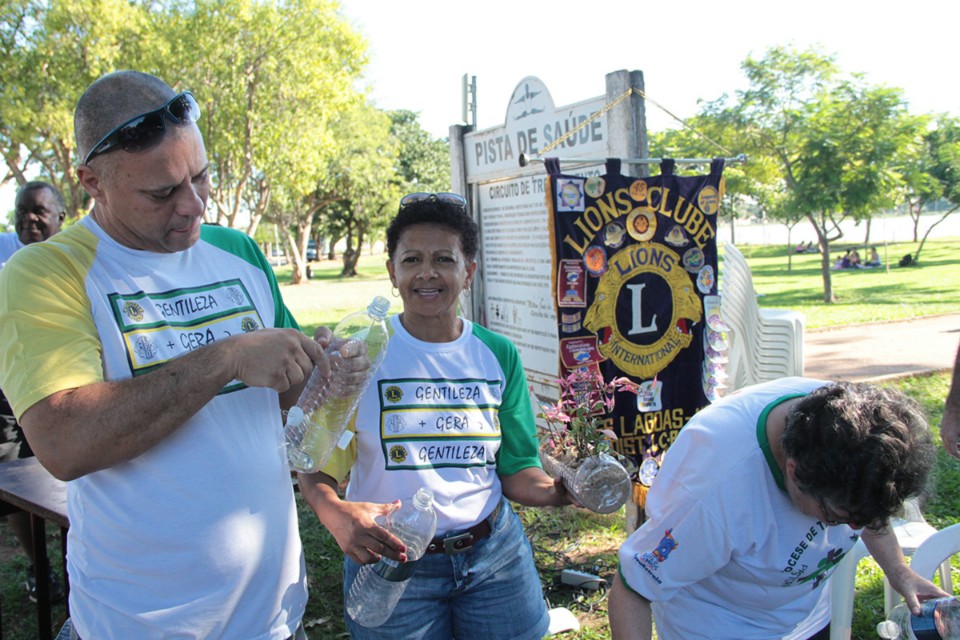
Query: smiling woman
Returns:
{"type": "Point", "coordinates": [453, 397]}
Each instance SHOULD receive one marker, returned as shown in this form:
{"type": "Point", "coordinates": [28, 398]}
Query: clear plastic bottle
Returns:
{"type": "Point", "coordinates": [316, 423]}
{"type": "Point", "coordinates": [599, 484]}
{"type": "Point", "coordinates": [377, 588]}
{"type": "Point", "coordinates": [939, 619]}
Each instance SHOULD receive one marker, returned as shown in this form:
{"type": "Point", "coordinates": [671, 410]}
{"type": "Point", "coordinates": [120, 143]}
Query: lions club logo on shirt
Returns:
{"type": "Point", "coordinates": [393, 394]}
{"type": "Point", "coordinates": [398, 453]}
{"type": "Point", "coordinates": [133, 311]}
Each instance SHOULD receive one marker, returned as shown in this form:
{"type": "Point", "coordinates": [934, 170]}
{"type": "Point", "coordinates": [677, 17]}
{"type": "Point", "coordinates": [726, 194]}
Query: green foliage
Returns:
{"type": "Point", "coordinates": [51, 52]}
{"type": "Point", "coordinates": [423, 163]}
{"type": "Point", "coordinates": [271, 79]}
{"type": "Point", "coordinates": [826, 146]}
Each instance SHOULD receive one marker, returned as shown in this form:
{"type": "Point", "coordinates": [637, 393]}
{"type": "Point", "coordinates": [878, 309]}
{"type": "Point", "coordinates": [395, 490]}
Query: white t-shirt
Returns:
{"type": "Point", "coordinates": [198, 537]}
{"type": "Point", "coordinates": [449, 416]}
{"type": "Point", "coordinates": [724, 552]}
{"type": "Point", "coordinates": [9, 244]}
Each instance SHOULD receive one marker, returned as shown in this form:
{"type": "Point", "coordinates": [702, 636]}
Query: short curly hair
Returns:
{"type": "Point", "coordinates": [439, 212]}
{"type": "Point", "coordinates": [861, 448]}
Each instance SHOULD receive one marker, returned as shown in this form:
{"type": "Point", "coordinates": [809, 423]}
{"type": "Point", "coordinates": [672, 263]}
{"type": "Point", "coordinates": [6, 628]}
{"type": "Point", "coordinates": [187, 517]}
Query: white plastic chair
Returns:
{"type": "Point", "coordinates": [912, 533]}
{"type": "Point", "coordinates": [934, 554]}
{"type": "Point", "coordinates": [766, 344]}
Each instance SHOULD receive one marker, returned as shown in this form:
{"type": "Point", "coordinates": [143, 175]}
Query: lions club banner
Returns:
{"type": "Point", "coordinates": [635, 286]}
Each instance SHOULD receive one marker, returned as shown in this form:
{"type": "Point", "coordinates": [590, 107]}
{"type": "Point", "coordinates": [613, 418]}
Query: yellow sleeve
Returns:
{"type": "Point", "coordinates": [341, 460]}
{"type": "Point", "coordinates": [48, 340]}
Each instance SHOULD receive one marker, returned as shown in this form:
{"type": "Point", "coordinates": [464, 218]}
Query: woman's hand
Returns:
{"type": "Point", "coordinates": [914, 588]}
{"type": "Point", "coordinates": [352, 524]}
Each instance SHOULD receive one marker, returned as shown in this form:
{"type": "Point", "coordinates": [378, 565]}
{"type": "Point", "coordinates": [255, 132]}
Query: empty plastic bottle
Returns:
{"type": "Point", "coordinates": [600, 483]}
{"type": "Point", "coordinates": [939, 619]}
{"type": "Point", "coordinates": [316, 423]}
{"type": "Point", "coordinates": [377, 588]}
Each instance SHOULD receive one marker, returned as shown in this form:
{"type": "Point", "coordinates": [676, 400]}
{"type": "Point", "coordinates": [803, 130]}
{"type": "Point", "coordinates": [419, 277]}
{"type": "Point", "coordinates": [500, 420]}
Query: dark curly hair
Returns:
{"type": "Point", "coordinates": [435, 211]}
{"type": "Point", "coordinates": [861, 448]}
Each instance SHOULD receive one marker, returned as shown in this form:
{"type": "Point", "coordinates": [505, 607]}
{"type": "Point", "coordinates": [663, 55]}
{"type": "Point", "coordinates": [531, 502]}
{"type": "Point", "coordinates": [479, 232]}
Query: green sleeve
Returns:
{"type": "Point", "coordinates": [243, 246]}
{"type": "Point", "coordinates": [519, 446]}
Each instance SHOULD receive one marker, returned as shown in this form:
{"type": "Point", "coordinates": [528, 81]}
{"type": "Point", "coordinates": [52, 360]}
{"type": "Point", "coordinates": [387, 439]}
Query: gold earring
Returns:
{"type": "Point", "coordinates": [395, 292]}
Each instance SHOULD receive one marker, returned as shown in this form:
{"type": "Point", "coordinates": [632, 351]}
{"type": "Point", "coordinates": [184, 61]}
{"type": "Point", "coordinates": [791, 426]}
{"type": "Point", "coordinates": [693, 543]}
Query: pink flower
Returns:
{"type": "Point", "coordinates": [578, 421]}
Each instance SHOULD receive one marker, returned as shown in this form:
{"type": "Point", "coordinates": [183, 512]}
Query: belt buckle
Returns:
{"type": "Point", "coordinates": [449, 544]}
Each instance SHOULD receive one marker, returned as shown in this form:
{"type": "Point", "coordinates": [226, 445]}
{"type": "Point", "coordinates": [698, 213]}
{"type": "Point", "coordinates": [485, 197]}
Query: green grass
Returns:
{"type": "Point", "coordinates": [326, 298]}
{"type": "Point", "coordinates": [863, 295]}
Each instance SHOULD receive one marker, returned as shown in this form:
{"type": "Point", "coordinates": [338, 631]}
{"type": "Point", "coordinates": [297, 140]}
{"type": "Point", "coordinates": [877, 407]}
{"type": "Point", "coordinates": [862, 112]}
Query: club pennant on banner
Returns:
{"type": "Point", "coordinates": [635, 287]}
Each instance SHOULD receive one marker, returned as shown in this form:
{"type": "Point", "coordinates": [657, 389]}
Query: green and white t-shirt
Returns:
{"type": "Point", "coordinates": [724, 552]}
{"type": "Point", "coordinates": [448, 416]}
{"type": "Point", "coordinates": [198, 536]}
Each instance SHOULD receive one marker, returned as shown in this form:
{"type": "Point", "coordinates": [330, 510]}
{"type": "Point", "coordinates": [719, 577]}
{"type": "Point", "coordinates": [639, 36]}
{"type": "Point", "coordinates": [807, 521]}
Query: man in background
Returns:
{"type": "Point", "coordinates": [39, 210]}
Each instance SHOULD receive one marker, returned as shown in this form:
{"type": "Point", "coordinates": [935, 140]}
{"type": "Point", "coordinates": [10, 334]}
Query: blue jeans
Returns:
{"type": "Point", "coordinates": [489, 592]}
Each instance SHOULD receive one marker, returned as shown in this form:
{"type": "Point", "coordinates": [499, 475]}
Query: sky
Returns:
{"type": "Point", "coordinates": [688, 50]}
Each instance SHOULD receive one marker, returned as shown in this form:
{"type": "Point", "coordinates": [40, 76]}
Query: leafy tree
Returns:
{"type": "Point", "coordinates": [423, 162]}
{"type": "Point", "coordinates": [363, 186]}
{"type": "Point", "coordinates": [833, 140]}
{"type": "Point", "coordinates": [919, 185]}
{"type": "Point", "coordinates": [943, 154]}
{"type": "Point", "coordinates": [271, 79]}
{"type": "Point", "coordinates": [51, 51]}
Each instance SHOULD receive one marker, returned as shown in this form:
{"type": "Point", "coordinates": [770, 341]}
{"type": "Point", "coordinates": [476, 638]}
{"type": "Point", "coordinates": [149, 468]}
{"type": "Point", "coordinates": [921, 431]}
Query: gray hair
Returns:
{"type": "Point", "coordinates": [112, 100]}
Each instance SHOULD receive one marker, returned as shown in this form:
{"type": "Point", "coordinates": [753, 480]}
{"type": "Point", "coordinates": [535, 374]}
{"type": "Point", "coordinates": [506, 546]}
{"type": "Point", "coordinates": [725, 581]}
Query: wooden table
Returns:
{"type": "Point", "coordinates": [27, 485]}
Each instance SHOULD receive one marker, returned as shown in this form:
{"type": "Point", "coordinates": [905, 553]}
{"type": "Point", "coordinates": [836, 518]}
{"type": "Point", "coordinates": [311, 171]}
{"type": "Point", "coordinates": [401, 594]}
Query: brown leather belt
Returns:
{"type": "Point", "coordinates": [461, 542]}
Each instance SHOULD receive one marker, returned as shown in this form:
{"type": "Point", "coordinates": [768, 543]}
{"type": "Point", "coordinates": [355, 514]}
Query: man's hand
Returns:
{"type": "Point", "coordinates": [275, 358]}
{"type": "Point", "coordinates": [349, 366]}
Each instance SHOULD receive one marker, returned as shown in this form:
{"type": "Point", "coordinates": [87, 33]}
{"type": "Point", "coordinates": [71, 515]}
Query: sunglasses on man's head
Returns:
{"type": "Point", "coordinates": [147, 129]}
{"type": "Point", "coordinates": [453, 199]}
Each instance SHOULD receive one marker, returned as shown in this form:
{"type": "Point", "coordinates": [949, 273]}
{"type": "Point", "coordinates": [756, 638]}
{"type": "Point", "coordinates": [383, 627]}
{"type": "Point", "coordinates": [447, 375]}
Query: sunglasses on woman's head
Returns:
{"type": "Point", "coordinates": [453, 199]}
{"type": "Point", "coordinates": [147, 129]}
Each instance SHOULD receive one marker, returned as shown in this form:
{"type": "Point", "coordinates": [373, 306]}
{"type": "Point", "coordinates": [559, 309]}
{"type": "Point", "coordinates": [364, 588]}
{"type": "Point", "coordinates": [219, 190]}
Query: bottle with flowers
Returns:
{"type": "Point", "coordinates": [577, 447]}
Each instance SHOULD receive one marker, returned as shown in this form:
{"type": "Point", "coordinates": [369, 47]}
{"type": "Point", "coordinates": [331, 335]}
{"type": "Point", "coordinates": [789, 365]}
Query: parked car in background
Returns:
{"type": "Point", "coordinates": [311, 251]}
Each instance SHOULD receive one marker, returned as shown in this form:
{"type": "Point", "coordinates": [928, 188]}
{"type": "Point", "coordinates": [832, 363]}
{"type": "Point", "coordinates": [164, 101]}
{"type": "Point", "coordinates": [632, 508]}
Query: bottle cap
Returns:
{"type": "Point", "coordinates": [345, 439]}
{"type": "Point", "coordinates": [379, 307]}
{"type": "Point", "coordinates": [889, 630]}
{"type": "Point", "coordinates": [294, 416]}
{"type": "Point", "coordinates": [423, 497]}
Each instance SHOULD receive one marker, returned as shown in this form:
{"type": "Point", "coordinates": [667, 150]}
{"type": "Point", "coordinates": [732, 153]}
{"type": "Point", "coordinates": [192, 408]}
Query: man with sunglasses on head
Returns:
{"type": "Point", "coordinates": [154, 355]}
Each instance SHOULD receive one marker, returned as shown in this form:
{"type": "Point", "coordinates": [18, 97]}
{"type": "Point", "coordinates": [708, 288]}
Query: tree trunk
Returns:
{"type": "Point", "coordinates": [916, 258]}
{"type": "Point", "coordinates": [790, 249]}
{"type": "Point", "coordinates": [331, 251]}
{"type": "Point", "coordinates": [915, 215]}
{"type": "Point", "coordinates": [824, 241]}
{"type": "Point", "coordinates": [352, 255]}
